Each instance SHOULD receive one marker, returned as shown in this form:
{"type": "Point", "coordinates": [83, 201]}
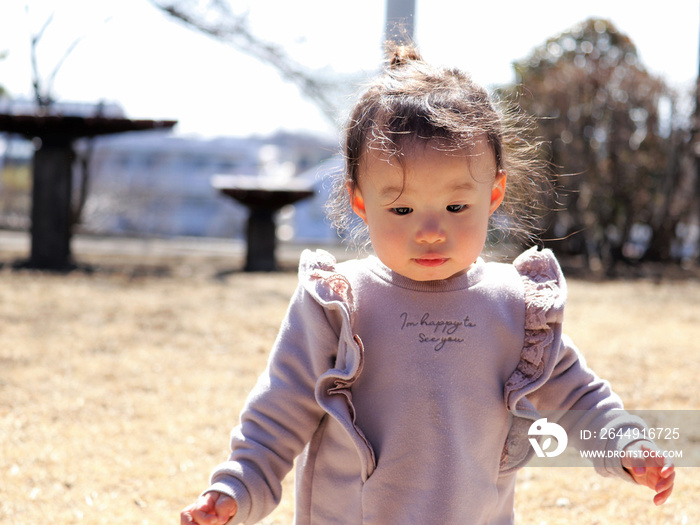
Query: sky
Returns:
{"type": "Point", "coordinates": [131, 53]}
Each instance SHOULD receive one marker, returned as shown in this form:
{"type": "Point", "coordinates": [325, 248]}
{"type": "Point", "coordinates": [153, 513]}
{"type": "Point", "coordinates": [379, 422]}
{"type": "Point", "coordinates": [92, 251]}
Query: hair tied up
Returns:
{"type": "Point", "coordinates": [401, 55]}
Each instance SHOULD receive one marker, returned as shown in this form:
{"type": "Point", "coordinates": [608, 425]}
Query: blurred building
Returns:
{"type": "Point", "coordinates": [160, 184]}
{"type": "Point", "coordinates": [306, 221]}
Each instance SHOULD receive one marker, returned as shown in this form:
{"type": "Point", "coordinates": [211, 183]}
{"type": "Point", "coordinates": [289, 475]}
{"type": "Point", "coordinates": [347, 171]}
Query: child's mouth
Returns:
{"type": "Point", "coordinates": [431, 262]}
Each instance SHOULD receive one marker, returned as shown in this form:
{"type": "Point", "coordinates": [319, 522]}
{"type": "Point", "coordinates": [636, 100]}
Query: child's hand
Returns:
{"type": "Point", "coordinates": [650, 469]}
{"type": "Point", "coordinates": [213, 508]}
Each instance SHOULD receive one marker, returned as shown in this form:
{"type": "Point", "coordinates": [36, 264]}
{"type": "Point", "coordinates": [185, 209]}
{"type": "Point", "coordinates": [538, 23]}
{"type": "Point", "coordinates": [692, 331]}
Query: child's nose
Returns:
{"type": "Point", "coordinates": [430, 231]}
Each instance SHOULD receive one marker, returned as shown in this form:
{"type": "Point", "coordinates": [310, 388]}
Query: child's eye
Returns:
{"type": "Point", "coordinates": [401, 211]}
{"type": "Point", "coordinates": [456, 208]}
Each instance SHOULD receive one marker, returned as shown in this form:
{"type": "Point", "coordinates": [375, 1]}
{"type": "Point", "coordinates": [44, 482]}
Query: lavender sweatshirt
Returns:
{"type": "Point", "coordinates": [409, 402]}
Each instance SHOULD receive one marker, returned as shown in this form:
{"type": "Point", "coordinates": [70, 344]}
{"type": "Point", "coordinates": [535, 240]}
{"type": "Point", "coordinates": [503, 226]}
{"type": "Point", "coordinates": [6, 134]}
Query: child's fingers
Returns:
{"type": "Point", "coordinates": [201, 512]}
{"type": "Point", "coordinates": [640, 457]}
{"type": "Point", "coordinates": [204, 518]}
{"type": "Point", "coordinates": [226, 508]}
{"type": "Point", "coordinates": [191, 515]}
{"type": "Point", "coordinates": [211, 508]}
{"type": "Point", "coordinates": [662, 497]}
{"type": "Point", "coordinates": [668, 470]}
{"type": "Point", "coordinates": [186, 517]}
{"type": "Point", "coordinates": [665, 485]}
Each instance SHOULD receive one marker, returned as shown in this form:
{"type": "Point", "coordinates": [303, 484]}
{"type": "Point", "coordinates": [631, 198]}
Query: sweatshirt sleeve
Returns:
{"type": "Point", "coordinates": [553, 376]}
{"type": "Point", "coordinates": [580, 400]}
{"type": "Point", "coordinates": [281, 413]}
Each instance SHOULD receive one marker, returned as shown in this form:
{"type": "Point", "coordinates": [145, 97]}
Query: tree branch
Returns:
{"type": "Point", "coordinates": [233, 29]}
{"type": "Point", "coordinates": [42, 100]}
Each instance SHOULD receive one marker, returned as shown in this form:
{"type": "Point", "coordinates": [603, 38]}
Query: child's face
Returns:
{"type": "Point", "coordinates": [428, 217]}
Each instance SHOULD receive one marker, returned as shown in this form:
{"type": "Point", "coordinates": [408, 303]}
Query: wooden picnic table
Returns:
{"type": "Point", "coordinates": [264, 198]}
{"type": "Point", "coordinates": [52, 175]}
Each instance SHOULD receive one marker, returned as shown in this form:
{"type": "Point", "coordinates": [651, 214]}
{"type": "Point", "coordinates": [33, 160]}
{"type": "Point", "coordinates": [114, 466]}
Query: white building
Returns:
{"type": "Point", "coordinates": [157, 183]}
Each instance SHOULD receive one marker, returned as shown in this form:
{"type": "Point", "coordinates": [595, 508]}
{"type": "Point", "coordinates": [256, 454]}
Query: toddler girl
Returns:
{"type": "Point", "coordinates": [407, 382]}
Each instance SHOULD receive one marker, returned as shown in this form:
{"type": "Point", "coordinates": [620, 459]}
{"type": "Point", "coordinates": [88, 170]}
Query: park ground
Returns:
{"type": "Point", "coordinates": [119, 384]}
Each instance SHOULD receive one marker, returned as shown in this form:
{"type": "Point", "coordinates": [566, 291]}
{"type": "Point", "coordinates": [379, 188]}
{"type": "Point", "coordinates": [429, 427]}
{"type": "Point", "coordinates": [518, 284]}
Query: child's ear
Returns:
{"type": "Point", "coordinates": [356, 200]}
{"type": "Point", "coordinates": [498, 191]}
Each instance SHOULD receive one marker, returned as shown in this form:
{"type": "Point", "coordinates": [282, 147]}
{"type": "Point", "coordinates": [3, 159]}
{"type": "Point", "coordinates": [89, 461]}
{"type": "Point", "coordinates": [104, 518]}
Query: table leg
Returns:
{"type": "Point", "coordinates": [261, 241]}
{"type": "Point", "coordinates": [51, 208]}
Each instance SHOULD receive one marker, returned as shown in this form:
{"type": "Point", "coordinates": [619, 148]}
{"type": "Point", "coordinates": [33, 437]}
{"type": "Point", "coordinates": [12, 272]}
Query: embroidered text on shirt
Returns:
{"type": "Point", "coordinates": [443, 331]}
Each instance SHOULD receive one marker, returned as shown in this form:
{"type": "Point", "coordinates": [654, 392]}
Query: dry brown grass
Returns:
{"type": "Point", "coordinates": [117, 392]}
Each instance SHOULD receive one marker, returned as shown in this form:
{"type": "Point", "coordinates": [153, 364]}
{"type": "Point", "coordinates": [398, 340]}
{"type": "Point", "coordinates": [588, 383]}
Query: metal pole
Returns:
{"type": "Point", "coordinates": [400, 21]}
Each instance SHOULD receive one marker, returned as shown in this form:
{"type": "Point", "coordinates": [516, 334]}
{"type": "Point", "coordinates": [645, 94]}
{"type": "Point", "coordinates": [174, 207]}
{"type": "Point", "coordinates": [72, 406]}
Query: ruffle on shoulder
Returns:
{"type": "Point", "coordinates": [320, 277]}
{"type": "Point", "coordinates": [545, 296]}
{"type": "Point", "coordinates": [318, 274]}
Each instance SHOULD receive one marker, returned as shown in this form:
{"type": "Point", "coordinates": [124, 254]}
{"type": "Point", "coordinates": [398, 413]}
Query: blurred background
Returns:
{"type": "Point", "coordinates": [261, 89]}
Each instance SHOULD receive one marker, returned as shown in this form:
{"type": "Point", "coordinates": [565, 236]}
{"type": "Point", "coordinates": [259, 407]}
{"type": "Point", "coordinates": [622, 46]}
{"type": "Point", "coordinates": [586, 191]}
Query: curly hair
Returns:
{"type": "Point", "coordinates": [413, 100]}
